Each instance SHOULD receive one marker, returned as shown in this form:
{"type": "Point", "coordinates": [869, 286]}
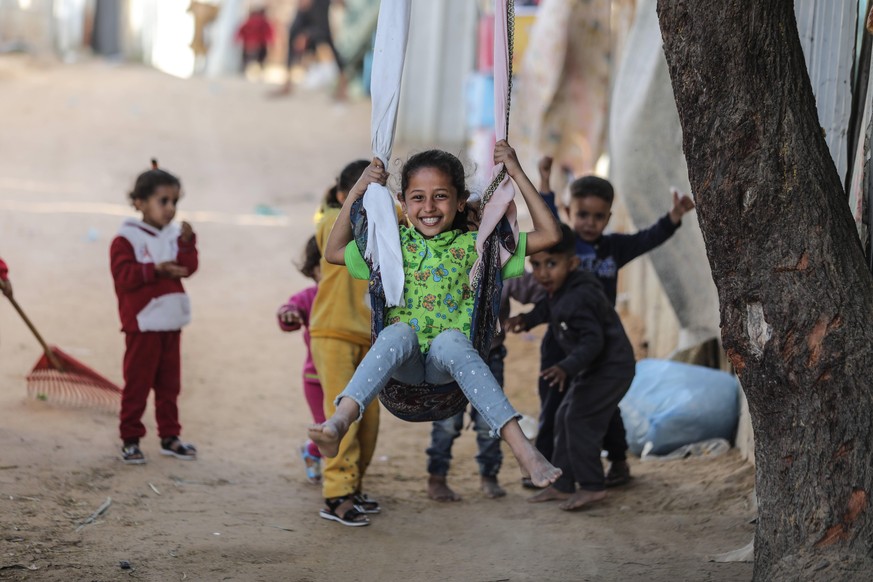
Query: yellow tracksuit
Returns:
{"type": "Point", "coordinates": [340, 331]}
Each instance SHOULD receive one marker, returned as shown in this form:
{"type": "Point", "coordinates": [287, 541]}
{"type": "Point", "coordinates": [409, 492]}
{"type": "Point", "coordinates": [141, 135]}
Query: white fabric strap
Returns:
{"type": "Point", "coordinates": [383, 236]}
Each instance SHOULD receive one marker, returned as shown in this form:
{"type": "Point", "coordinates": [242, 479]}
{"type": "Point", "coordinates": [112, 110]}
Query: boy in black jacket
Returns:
{"type": "Point", "coordinates": [589, 212]}
{"type": "Point", "coordinates": [595, 371]}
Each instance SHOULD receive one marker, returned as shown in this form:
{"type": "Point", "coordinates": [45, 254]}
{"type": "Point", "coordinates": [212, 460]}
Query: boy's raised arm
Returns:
{"type": "Point", "coordinates": [682, 204]}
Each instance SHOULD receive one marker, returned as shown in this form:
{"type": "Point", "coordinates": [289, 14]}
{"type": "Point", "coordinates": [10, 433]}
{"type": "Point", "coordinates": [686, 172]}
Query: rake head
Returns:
{"type": "Point", "coordinates": [61, 379]}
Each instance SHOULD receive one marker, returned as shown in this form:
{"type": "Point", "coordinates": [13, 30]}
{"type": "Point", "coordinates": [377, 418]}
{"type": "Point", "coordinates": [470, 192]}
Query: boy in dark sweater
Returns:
{"type": "Point", "coordinates": [590, 209]}
{"type": "Point", "coordinates": [593, 375]}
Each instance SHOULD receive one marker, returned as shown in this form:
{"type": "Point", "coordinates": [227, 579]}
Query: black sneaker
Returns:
{"type": "Point", "coordinates": [365, 504]}
{"type": "Point", "coordinates": [174, 447]}
{"type": "Point", "coordinates": [618, 474]}
{"type": "Point", "coordinates": [132, 455]}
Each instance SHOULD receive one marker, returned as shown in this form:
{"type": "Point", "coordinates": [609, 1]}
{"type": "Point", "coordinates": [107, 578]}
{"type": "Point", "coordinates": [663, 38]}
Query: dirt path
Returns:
{"type": "Point", "coordinates": [72, 140]}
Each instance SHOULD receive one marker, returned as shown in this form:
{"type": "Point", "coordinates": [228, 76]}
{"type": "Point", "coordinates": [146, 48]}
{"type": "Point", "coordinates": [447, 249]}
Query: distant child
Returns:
{"type": "Point", "coordinates": [427, 338]}
{"type": "Point", "coordinates": [294, 315]}
{"type": "Point", "coordinates": [149, 259]}
{"type": "Point", "coordinates": [590, 209]}
{"type": "Point", "coordinates": [5, 283]}
{"type": "Point", "coordinates": [340, 328]}
{"type": "Point", "coordinates": [255, 34]}
{"type": "Point", "coordinates": [310, 29]}
{"type": "Point", "coordinates": [594, 374]}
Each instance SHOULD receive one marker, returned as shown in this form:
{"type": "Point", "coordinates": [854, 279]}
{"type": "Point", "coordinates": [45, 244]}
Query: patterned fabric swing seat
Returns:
{"type": "Point", "coordinates": [429, 402]}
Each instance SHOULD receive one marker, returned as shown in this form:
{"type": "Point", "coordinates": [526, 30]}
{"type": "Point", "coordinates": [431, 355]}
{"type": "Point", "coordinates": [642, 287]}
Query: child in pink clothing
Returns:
{"type": "Point", "coordinates": [292, 316]}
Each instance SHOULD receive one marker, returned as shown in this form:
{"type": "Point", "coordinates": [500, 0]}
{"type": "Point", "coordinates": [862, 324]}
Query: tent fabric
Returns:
{"type": "Point", "coordinates": [562, 107]}
{"type": "Point", "coordinates": [646, 159]}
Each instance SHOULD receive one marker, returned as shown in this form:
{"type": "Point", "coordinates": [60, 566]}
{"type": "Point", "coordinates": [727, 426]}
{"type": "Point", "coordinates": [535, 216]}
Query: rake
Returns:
{"type": "Point", "coordinates": [59, 378]}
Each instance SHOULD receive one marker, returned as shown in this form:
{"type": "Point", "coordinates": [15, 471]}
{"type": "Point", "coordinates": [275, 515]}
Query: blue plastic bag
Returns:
{"type": "Point", "coordinates": [671, 404]}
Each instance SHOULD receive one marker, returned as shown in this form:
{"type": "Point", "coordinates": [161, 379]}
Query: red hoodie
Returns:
{"type": "Point", "coordinates": [147, 302]}
{"type": "Point", "coordinates": [255, 33]}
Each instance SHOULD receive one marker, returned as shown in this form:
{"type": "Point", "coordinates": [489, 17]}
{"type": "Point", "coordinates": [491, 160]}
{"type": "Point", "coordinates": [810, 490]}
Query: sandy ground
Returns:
{"type": "Point", "coordinates": [71, 141]}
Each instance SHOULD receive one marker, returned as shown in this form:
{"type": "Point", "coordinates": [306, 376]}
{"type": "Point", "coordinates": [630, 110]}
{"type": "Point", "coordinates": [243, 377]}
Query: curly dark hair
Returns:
{"type": "Point", "coordinates": [592, 186]}
{"type": "Point", "coordinates": [147, 182]}
{"type": "Point", "coordinates": [567, 244]}
{"type": "Point", "coordinates": [344, 182]}
{"type": "Point", "coordinates": [311, 258]}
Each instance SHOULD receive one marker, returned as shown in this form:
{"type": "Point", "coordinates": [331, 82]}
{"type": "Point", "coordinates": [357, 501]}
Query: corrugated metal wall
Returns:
{"type": "Point", "coordinates": [827, 32]}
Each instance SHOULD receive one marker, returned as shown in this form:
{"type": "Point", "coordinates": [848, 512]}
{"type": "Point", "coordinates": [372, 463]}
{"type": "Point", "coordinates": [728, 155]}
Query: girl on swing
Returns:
{"type": "Point", "coordinates": [427, 338]}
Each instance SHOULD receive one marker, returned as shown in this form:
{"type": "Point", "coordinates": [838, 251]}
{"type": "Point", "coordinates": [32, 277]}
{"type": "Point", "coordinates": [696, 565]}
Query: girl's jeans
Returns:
{"type": "Point", "coordinates": [396, 354]}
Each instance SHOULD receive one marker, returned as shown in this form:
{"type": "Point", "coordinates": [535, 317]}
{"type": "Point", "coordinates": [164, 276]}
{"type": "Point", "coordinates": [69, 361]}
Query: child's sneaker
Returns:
{"type": "Point", "coordinates": [618, 474]}
{"type": "Point", "coordinates": [312, 464]}
{"type": "Point", "coordinates": [132, 455]}
{"type": "Point", "coordinates": [365, 504]}
{"type": "Point", "coordinates": [174, 447]}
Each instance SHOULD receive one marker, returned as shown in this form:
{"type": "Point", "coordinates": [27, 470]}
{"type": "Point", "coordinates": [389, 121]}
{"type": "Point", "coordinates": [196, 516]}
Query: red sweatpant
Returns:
{"type": "Point", "coordinates": [152, 360]}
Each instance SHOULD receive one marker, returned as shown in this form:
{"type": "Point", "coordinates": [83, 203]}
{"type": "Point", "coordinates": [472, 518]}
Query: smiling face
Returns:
{"type": "Point", "coordinates": [159, 209]}
{"type": "Point", "coordinates": [431, 202]}
{"type": "Point", "coordinates": [552, 269]}
{"type": "Point", "coordinates": [590, 216]}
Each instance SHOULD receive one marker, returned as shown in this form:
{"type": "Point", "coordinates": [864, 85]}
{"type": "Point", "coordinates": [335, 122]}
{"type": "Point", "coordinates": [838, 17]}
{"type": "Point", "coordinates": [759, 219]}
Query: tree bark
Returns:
{"type": "Point", "coordinates": [795, 297]}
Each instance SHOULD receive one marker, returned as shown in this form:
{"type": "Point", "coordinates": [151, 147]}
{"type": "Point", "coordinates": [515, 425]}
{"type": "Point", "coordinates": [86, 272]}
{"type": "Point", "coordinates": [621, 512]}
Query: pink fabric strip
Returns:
{"type": "Point", "coordinates": [502, 201]}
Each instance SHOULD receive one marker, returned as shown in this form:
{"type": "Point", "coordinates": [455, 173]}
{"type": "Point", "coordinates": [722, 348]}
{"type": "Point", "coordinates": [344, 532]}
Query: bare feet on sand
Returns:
{"type": "Point", "coordinates": [327, 436]}
{"type": "Point", "coordinates": [582, 499]}
{"type": "Point", "coordinates": [438, 489]}
{"type": "Point", "coordinates": [542, 473]}
{"type": "Point", "coordinates": [549, 494]}
{"type": "Point", "coordinates": [491, 488]}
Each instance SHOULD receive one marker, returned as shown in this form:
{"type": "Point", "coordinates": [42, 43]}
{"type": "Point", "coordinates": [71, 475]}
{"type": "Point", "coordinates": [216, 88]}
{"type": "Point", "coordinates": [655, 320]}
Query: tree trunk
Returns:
{"type": "Point", "coordinates": [796, 299]}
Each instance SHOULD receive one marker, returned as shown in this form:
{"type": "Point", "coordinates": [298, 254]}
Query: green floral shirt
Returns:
{"type": "Point", "coordinates": [437, 292]}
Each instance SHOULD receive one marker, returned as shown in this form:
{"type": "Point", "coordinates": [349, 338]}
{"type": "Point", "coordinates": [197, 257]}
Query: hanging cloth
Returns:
{"type": "Point", "coordinates": [383, 248]}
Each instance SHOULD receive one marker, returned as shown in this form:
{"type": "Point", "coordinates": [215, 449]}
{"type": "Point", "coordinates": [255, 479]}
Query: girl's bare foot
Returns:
{"type": "Point", "coordinates": [327, 435]}
{"type": "Point", "coordinates": [581, 499]}
{"type": "Point", "coordinates": [542, 472]}
{"type": "Point", "coordinates": [549, 494]}
{"type": "Point", "coordinates": [439, 490]}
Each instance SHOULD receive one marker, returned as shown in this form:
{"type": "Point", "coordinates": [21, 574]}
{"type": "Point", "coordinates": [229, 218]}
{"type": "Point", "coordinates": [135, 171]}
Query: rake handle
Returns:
{"type": "Point", "coordinates": [56, 364]}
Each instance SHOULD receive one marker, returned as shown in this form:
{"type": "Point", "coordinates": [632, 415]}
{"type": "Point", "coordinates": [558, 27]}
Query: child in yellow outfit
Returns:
{"type": "Point", "coordinates": [340, 331]}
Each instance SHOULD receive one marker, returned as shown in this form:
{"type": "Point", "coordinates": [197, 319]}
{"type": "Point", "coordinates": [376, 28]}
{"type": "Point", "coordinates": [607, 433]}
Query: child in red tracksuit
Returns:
{"type": "Point", "coordinates": [149, 258]}
{"type": "Point", "coordinates": [255, 34]}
